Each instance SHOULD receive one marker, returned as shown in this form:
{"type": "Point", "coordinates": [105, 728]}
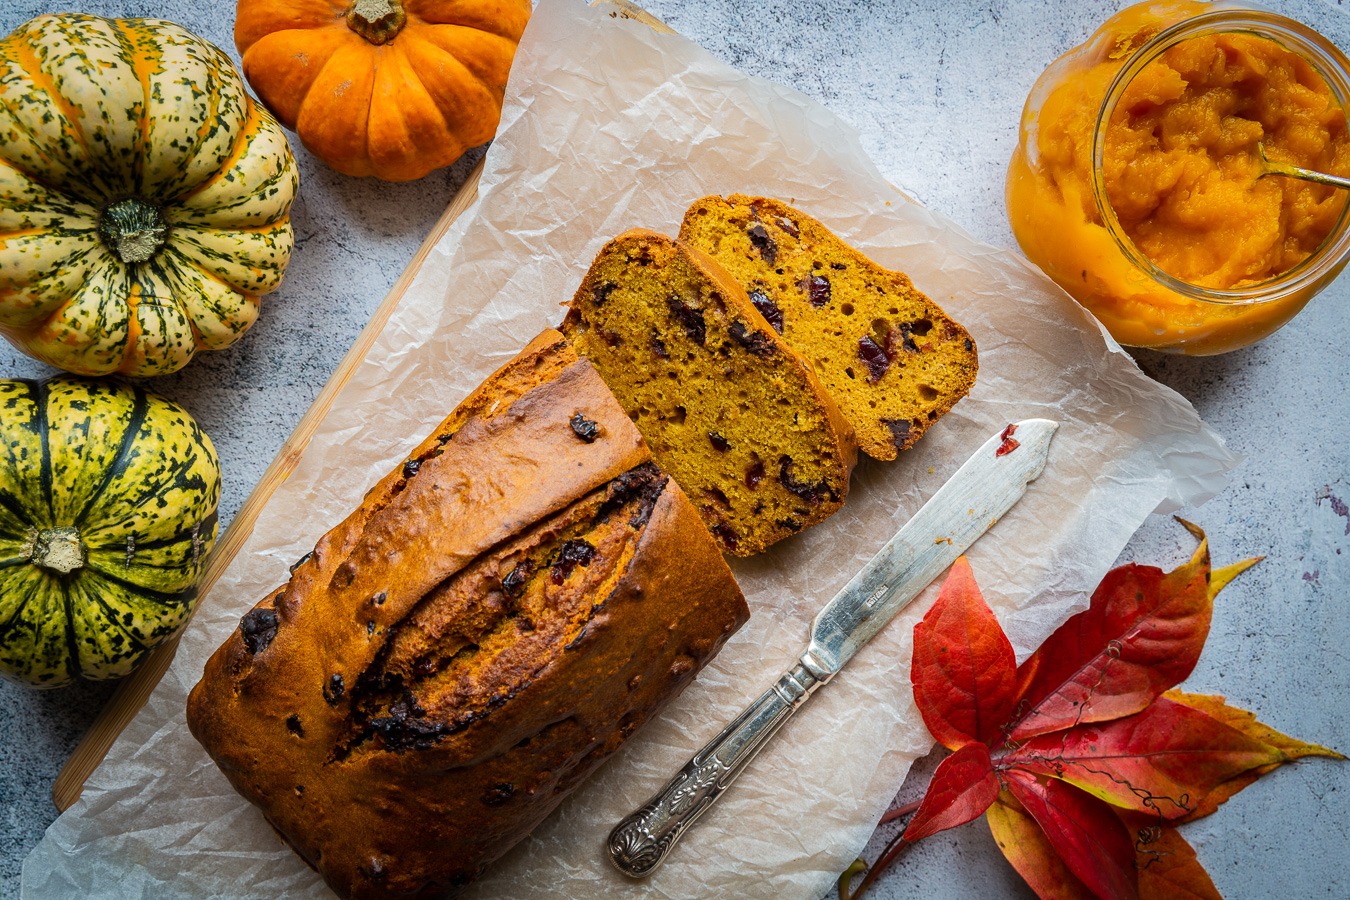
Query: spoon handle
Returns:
{"type": "Point", "coordinates": [1271, 167]}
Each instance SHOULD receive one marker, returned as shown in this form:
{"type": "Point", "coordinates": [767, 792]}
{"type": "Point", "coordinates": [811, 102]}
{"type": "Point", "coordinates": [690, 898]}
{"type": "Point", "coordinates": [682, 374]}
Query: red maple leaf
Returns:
{"type": "Point", "coordinates": [1084, 759]}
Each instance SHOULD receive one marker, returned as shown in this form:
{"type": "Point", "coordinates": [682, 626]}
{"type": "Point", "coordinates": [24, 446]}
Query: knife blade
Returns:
{"type": "Point", "coordinates": [965, 507]}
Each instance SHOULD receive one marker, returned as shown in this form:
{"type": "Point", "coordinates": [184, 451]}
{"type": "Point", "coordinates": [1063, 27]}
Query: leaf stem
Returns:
{"type": "Point", "coordinates": [897, 845]}
{"type": "Point", "coordinates": [888, 855]}
{"type": "Point", "coordinates": [899, 812]}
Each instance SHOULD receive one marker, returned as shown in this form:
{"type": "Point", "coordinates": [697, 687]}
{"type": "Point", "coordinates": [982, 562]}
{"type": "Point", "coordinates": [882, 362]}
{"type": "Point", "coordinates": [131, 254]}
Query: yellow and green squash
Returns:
{"type": "Point", "coordinates": [144, 196]}
{"type": "Point", "coordinates": [108, 499]}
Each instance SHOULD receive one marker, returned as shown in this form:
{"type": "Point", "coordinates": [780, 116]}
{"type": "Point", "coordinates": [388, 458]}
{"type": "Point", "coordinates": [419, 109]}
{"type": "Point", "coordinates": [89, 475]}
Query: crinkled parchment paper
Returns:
{"type": "Point", "coordinates": [610, 125]}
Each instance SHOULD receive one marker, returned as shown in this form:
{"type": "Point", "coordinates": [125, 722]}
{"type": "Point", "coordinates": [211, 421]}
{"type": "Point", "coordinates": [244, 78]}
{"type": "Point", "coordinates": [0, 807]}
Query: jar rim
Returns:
{"type": "Point", "coordinates": [1334, 69]}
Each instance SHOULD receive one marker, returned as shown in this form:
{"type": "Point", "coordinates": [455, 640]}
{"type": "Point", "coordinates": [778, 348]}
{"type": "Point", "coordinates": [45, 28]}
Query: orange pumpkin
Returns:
{"type": "Point", "coordinates": [390, 88]}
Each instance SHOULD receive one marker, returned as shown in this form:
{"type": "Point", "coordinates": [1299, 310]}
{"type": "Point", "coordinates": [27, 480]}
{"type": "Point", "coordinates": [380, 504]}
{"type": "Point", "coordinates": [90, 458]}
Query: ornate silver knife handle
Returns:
{"type": "Point", "coordinates": [967, 505]}
{"type": "Point", "coordinates": [639, 843]}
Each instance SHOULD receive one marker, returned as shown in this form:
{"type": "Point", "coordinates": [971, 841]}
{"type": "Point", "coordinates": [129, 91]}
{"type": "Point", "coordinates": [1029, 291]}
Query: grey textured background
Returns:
{"type": "Point", "coordinates": [935, 89]}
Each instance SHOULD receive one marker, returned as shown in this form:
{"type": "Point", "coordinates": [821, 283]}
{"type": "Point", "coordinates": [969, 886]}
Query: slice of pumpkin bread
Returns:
{"type": "Point", "coordinates": [733, 414]}
{"type": "Point", "coordinates": [888, 355]}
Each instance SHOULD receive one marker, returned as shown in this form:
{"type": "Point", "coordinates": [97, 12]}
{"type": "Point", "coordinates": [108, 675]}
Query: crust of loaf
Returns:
{"type": "Point", "coordinates": [727, 407]}
{"type": "Point", "coordinates": [888, 355]}
{"type": "Point", "coordinates": [451, 660]}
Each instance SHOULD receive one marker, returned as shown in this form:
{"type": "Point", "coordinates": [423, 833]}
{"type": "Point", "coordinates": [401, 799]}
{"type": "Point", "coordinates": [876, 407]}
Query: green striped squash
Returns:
{"type": "Point", "coordinates": [144, 197]}
{"type": "Point", "coordinates": [108, 500]}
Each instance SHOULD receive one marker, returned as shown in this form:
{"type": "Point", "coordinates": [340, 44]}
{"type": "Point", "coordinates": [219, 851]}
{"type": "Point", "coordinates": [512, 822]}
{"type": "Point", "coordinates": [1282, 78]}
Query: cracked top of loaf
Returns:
{"type": "Point", "coordinates": [503, 610]}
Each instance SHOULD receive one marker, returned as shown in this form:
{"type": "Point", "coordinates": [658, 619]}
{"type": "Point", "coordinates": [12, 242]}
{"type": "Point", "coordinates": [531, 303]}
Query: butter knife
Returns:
{"type": "Point", "coordinates": [971, 501]}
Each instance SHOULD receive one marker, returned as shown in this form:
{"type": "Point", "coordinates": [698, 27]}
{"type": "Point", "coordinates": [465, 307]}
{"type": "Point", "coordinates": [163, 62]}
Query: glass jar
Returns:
{"type": "Point", "coordinates": [1139, 193]}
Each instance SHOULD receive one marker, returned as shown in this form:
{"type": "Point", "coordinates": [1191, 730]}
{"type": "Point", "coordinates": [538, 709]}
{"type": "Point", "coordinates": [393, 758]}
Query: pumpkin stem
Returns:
{"type": "Point", "coordinates": [378, 21]}
{"type": "Point", "coordinates": [133, 230]}
{"type": "Point", "coordinates": [58, 549]}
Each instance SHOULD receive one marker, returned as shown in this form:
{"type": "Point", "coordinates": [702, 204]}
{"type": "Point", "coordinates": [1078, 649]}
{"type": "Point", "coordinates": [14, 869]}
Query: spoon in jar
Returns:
{"type": "Point", "coordinates": [1271, 167]}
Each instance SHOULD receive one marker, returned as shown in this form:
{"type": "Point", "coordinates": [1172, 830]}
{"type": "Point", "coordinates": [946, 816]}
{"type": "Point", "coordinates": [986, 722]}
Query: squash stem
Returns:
{"type": "Point", "coordinates": [133, 230]}
{"type": "Point", "coordinates": [58, 549]}
{"type": "Point", "coordinates": [378, 21]}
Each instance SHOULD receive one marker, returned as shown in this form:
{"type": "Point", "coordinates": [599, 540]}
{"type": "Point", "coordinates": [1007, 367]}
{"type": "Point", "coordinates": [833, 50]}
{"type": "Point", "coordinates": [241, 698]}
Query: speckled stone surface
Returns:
{"type": "Point", "coordinates": [935, 89]}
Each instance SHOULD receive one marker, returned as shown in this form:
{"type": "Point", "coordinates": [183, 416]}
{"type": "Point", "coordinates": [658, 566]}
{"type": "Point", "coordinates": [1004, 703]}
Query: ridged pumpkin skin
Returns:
{"type": "Point", "coordinates": [144, 197]}
{"type": "Point", "coordinates": [389, 88]}
{"type": "Point", "coordinates": [107, 510]}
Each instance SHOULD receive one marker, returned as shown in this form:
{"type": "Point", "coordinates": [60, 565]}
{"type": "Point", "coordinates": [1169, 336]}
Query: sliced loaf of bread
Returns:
{"type": "Point", "coordinates": [889, 356]}
{"type": "Point", "coordinates": [727, 408]}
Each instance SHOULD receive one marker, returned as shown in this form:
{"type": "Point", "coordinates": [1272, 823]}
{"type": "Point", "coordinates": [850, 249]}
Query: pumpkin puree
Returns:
{"type": "Point", "coordinates": [1181, 170]}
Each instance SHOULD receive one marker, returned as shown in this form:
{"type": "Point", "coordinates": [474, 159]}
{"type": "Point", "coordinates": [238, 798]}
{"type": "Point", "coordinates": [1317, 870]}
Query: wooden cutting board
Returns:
{"type": "Point", "coordinates": [132, 694]}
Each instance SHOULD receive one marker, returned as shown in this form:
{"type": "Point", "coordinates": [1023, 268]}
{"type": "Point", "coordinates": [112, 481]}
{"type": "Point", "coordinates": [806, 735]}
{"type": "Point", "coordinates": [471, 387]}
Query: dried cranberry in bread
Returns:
{"type": "Point", "coordinates": [888, 355]}
{"type": "Point", "coordinates": [733, 414]}
{"type": "Point", "coordinates": [501, 613]}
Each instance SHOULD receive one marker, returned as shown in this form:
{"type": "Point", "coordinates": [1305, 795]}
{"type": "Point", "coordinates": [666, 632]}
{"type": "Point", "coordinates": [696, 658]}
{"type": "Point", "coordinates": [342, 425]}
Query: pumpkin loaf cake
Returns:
{"type": "Point", "coordinates": [499, 615]}
{"type": "Point", "coordinates": [733, 414]}
{"type": "Point", "coordinates": [888, 355]}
